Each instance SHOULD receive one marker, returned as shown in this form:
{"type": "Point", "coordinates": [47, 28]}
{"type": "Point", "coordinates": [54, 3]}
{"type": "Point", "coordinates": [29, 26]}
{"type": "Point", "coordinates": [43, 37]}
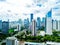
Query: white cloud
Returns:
{"type": "Point", "coordinates": [21, 7]}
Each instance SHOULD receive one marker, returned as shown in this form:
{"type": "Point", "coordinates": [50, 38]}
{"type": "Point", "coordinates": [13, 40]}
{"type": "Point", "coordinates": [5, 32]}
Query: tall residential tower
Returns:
{"type": "Point", "coordinates": [33, 28]}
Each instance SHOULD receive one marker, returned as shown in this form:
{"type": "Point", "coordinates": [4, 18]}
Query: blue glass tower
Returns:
{"type": "Point", "coordinates": [5, 27]}
{"type": "Point", "coordinates": [26, 23]}
{"type": "Point", "coordinates": [43, 19]}
{"type": "Point", "coordinates": [38, 22]}
{"type": "Point", "coordinates": [31, 16]}
{"type": "Point", "coordinates": [0, 24]}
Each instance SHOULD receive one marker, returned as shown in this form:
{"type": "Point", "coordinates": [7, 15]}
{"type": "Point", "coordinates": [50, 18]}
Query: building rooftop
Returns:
{"type": "Point", "coordinates": [12, 38]}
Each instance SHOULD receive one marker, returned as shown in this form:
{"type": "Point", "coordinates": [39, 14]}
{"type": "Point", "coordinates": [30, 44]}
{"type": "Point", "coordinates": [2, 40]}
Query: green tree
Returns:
{"type": "Point", "coordinates": [22, 27]}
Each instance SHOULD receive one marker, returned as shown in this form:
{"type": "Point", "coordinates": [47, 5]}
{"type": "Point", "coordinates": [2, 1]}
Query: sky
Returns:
{"type": "Point", "coordinates": [16, 9]}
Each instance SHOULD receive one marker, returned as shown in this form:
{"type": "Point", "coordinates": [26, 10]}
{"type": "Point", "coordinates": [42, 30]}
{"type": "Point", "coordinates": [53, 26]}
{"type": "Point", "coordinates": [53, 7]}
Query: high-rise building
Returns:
{"type": "Point", "coordinates": [49, 23]}
{"type": "Point", "coordinates": [33, 27]}
{"type": "Point", "coordinates": [54, 24]}
{"type": "Point", "coordinates": [20, 21]}
{"type": "Point", "coordinates": [18, 27]}
{"type": "Point", "coordinates": [1, 25]}
{"type": "Point", "coordinates": [43, 22]}
{"type": "Point", "coordinates": [31, 17]}
{"type": "Point", "coordinates": [5, 27]}
{"type": "Point", "coordinates": [56, 13]}
{"type": "Point", "coordinates": [38, 22]}
{"type": "Point", "coordinates": [26, 23]}
{"type": "Point", "coordinates": [11, 41]}
{"type": "Point", "coordinates": [30, 27]}
{"type": "Point", "coordinates": [58, 25]}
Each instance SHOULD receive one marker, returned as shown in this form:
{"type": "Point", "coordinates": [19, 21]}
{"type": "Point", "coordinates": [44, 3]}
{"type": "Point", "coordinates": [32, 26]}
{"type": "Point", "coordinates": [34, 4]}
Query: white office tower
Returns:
{"type": "Point", "coordinates": [55, 25]}
{"type": "Point", "coordinates": [56, 14]}
{"type": "Point", "coordinates": [11, 41]}
{"type": "Point", "coordinates": [49, 23]}
{"type": "Point", "coordinates": [58, 25]}
{"type": "Point", "coordinates": [33, 27]}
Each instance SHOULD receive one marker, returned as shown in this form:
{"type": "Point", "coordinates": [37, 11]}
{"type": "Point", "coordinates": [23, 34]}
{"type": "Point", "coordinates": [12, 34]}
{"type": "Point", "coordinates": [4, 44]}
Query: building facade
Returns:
{"type": "Point", "coordinates": [31, 17]}
{"type": "Point", "coordinates": [33, 28]}
{"type": "Point", "coordinates": [26, 23]}
{"type": "Point", "coordinates": [11, 41]}
{"type": "Point", "coordinates": [54, 24]}
{"type": "Point", "coordinates": [38, 22]}
{"type": "Point", "coordinates": [5, 27]}
{"type": "Point", "coordinates": [58, 25]}
{"type": "Point", "coordinates": [1, 25]}
{"type": "Point", "coordinates": [49, 23]}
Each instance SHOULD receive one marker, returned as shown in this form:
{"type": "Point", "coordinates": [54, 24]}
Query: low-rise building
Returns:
{"type": "Point", "coordinates": [12, 41]}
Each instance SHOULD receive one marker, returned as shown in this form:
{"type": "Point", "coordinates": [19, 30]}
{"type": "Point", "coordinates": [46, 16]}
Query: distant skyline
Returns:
{"type": "Point", "coordinates": [16, 9]}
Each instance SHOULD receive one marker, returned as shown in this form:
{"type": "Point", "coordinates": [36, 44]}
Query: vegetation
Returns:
{"type": "Point", "coordinates": [22, 27]}
{"type": "Point", "coordinates": [56, 33]}
{"type": "Point", "coordinates": [54, 38]}
{"type": "Point", "coordinates": [11, 31]}
{"type": "Point", "coordinates": [40, 38]}
{"type": "Point", "coordinates": [3, 36]}
{"type": "Point", "coordinates": [28, 32]}
{"type": "Point", "coordinates": [3, 43]}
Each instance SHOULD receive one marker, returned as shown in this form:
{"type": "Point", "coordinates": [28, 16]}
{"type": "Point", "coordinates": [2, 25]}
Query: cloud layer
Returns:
{"type": "Point", "coordinates": [16, 9]}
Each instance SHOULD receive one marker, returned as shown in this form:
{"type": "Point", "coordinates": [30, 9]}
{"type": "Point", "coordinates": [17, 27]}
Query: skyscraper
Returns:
{"type": "Point", "coordinates": [58, 25]}
{"type": "Point", "coordinates": [5, 27]}
{"type": "Point", "coordinates": [31, 16]}
{"type": "Point", "coordinates": [38, 22]}
{"type": "Point", "coordinates": [43, 22]}
{"type": "Point", "coordinates": [20, 21]}
{"type": "Point", "coordinates": [33, 28]}
{"type": "Point", "coordinates": [56, 15]}
{"type": "Point", "coordinates": [19, 27]}
{"type": "Point", "coordinates": [1, 25]}
{"type": "Point", "coordinates": [54, 25]}
{"type": "Point", "coordinates": [26, 23]}
{"type": "Point", "coordinates": [49, 23]}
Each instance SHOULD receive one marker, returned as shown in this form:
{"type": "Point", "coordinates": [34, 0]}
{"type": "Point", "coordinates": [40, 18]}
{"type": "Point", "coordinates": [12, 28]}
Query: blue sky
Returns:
{"type": "Point", "coordinates": [15, 9]}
